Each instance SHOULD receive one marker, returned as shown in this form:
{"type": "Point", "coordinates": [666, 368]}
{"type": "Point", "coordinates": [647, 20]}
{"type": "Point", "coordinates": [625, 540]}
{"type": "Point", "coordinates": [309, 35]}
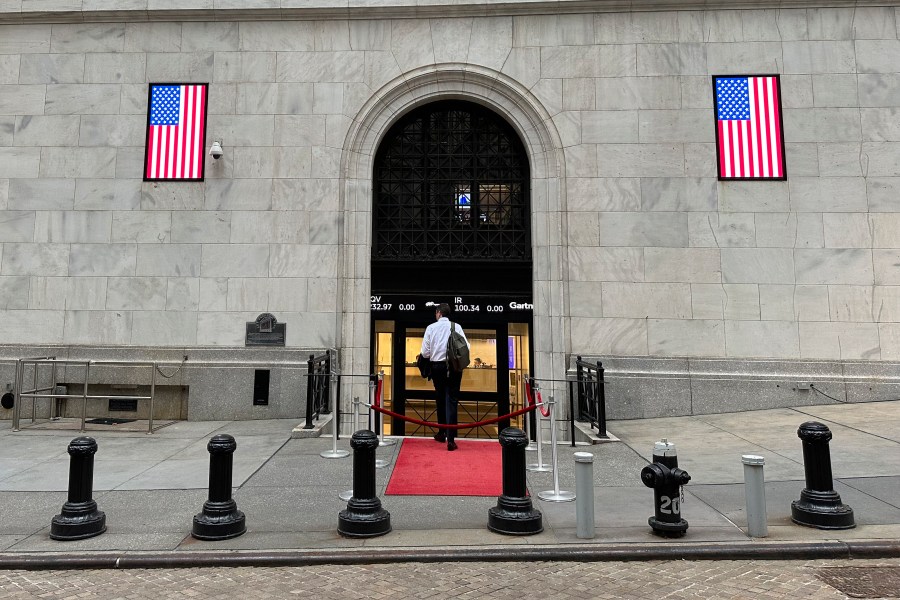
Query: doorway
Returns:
{"type": "Point", "coordinates": [500, 339]}
{"type": "Point", "coordinates": [452, 223]}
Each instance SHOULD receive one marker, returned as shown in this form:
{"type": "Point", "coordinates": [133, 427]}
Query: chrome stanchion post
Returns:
{"type": "Point", "coordinates": [555, 495]}
{"type": "Point", "coordinates": [381, 440]}
{"type": "Point", "coordinates": [539, 466]}
{"type": "Point", "coordinates": [17, 395]}
{"type": "Point", "coordinates": [347, 494]}
{"type": "Point", "coordinates": [332, 399]}
{"type": "Point", "coordinates": [152, 394]}
{"type": "Point", "coordinates": [84, 394]}
{"type": "Point", "coordinates": [530, 447]}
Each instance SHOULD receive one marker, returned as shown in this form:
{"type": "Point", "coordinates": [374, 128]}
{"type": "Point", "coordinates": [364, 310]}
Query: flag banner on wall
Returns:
{"type": "Point", "coordinates": [176, 132]}
{"type": "Point", "coordinates": [749, 132]}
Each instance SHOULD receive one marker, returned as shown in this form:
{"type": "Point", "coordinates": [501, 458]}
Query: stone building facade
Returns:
{"type": "Point", "coordinates": [698, 295]}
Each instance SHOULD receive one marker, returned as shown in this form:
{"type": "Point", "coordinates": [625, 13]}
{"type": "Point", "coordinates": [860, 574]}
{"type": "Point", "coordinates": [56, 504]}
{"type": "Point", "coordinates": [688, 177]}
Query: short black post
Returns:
{"type": "Point", "coordinates": [819, 505]}
{"type": "Point", "coordinates": [364, 517]}
{"type": "Point", "coordinates": [79, 518]}
{"type": "Point", "coordinates": [220, 519]}
{"type": "Point", "coordinates": [310, 390]}
{"type": "Point", "coordinates": [514, 513]}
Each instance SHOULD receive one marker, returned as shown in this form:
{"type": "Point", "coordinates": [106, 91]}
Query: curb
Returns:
{"type": "Point", "coordinates": [864, 549]}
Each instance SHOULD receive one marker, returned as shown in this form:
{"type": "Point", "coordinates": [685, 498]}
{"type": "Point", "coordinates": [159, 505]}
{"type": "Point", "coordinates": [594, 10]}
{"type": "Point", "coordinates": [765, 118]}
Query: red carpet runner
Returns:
{"type": "Point", "coordinates": [425, 468]}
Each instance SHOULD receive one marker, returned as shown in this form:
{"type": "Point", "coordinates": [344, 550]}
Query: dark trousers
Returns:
{"type": "Point", "coordinates": [446, 391]}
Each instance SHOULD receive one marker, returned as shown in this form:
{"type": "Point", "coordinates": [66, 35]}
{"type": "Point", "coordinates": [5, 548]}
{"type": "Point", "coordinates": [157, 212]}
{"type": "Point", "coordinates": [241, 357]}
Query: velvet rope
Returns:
{"type": "Point", "coordinates": [458, 426]}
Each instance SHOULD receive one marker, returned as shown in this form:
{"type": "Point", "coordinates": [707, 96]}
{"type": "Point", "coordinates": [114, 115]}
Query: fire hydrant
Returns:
{"type": "Point", "coordinates": [666, 479]}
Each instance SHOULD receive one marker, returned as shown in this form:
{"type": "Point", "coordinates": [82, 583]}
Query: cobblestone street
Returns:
{"type": "Point", "coordinates": [515, 580]}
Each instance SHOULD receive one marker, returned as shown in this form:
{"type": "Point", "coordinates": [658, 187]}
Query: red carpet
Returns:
{"type": "Point", "coordinates": [425, 468]}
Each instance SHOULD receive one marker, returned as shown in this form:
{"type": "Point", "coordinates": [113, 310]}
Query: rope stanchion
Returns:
{"type": "Point", "coordinates": [335, 424]}
{"type": "Point", "coordinates": [347, 494]}
{"type": "Point", "coordinates": [539, 466]}
{"type": "Point", "coordinates": [554, 495]}
{"type": "Point", "coordinates": [391, 413]}
{"type": "Point", "coordinates": [381, 439]}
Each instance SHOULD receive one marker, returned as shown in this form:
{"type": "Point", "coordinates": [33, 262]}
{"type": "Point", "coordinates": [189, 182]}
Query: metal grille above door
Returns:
{"type": "Point", "coordinates": [451, 187]}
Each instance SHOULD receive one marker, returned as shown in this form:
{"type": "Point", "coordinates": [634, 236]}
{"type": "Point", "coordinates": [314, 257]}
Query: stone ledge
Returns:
{"type": "Point", "coordinates": [299, 433]}
{"type": "Point", "coordinates": [219, 10]}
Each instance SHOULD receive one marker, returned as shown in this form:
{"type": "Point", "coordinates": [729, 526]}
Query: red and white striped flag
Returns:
{"type": "Point", "coordinates": [749, 133]}
{"type": "Point", "coordinates": [176, 132]}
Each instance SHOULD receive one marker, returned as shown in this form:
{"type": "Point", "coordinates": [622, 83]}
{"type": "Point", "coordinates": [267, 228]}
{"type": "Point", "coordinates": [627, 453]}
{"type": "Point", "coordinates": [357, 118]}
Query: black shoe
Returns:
{"type": "Point", "coordinates": [451, 446]}
{"type": "Point", "coordinates": [440, 438]}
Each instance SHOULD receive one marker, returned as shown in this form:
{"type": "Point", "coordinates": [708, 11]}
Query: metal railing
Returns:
{"type": "Point", "coordinates": [321, 375]}
{"type": "Point", "coordinates": [587, 390]}
{"type": "Point", "coordinates": [35, 393]}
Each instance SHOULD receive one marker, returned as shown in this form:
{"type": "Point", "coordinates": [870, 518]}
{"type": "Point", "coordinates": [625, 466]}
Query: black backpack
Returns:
{"type": "Point", "coordinates": [457, 351]}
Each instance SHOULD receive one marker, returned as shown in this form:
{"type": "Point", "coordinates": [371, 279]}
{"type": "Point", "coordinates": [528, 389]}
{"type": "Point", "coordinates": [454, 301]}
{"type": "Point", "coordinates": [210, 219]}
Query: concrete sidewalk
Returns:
{"type": "Point", "coordinates": [150, 486]}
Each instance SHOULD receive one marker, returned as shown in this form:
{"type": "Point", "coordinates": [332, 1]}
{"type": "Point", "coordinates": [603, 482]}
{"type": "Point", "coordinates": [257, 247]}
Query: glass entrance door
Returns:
{"type": "Point", "coordinates": [491, 386]}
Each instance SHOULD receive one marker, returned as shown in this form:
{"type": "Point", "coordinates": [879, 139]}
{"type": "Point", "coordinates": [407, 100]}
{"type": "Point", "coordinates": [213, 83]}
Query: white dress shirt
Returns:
{"type": "Point", "coordinates": [434, 344]}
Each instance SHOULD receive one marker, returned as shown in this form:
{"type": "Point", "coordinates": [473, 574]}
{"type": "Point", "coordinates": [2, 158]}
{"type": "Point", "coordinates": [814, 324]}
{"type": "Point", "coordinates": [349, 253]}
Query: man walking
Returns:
{"type": "Point", "coordinates": [446, 382]}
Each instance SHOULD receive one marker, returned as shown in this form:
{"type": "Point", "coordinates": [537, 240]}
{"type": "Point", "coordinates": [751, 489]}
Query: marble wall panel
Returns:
{"type": "Point", "coordinates": [671, 59]}
{"type": "Point", "coordinates": [87, 37]}
{"type": "Point", "coordinates": [321, 294]}
{"type": "Point", "coordinates": [35, 259]}
{"type": "Point", "coordinates": [136, 293]}
{"type": "Point", "coordinates": [855, 341]}
{"type": "Point", "coordinates": [643, 229]}
{"type": "Point", "coordinates": [41, 194]}
{"type": "Point", "coordinates": [32, 326]}
{"type": "Point", "coordinates": [757, 265]}
{"type": "Point", "coordinates": [85, 293]}
{"type": "Point", "coordinates": [774, 339]}
{"type": "Point", "coordinates": [880, 124]}
{"type": "Point", "coordinates": [833, 90]}
{"type": "Point", "coordinates": [72, 226]}
{"type": "Point", "coordinates": [106, 130]}
{"type": "Point", "coordinates": [14, 292]}
{"type": "Point", "coordinates": [45, 293]}
{"type": "Point", "coordinates": [167, 66]}
{"type": "Point", "coordinates": [609, 336]}
{"type": "Point", "coordinates": [606, 194]}
{"type": "Point", "coordinates": [19, 162]}
{"type": "Point", "coordinates": [40, 130]}
{"type": "Point", "coordinates": [247, 294]}
{"type": "Point", "coordinates": [886, 264]}
{"type": "Point", "coordinates": [677, 337]}
{"type": "Point", "coordinates": [606, 264]}
{"type": "Point", "coordinates": [144, 227]}
{"type": "Point", "coordinates": [638, 93]}
{"type": "Point", "coordinates": [238, 194]}
{"type": "Point", "coordinates": [637, 27]}
{"type": "Point", "coordinates": [168, 260]}
{"type": "Point", "coordinates": [819, 57]}
{"type": "Point", "coordinates": [81, 99]}
{"type": "Point", "coordinates": [828, 194]}
{"type": "Point", "coordinates": [678, 194]}
{"type": "Point", "coordinates": [235, 260]}
{"type": "Point", "coordinates": [874, 22]}
{"type": "Point", "coordinates": [685, 125]}
{"type": "Point", "coordinates": [51, 68]}
{"type": "Point", "coordinates": [879, 89]}
{"type": "Point", "coordinates": [843, 230]}
{"type": "Point", "coordinates": [22, 99]}
{"type": "Point", "coordinates": [834, 266]}
{"type": "Point", "coordinates": [115, 68]}
{"type": "Point", "coordinates": [643, 300]}
{"type": "Point", "coordinates": [843, 159]}
{"type": "Point", "coordinates": [811, 303]}
{"type": "Point", "coordinates": [822, 125]}
{"type": "Point", "coordinates": [237, 67]}
{"type": "Point", "coordinates": [740, 196]}
{"type": "Point", "coordinates": [78, 162]}
{"type": "Point", "coordinates": [850, 303]}
{"type": "Point", "coordinates": [721, 230]}
{"type": "Point", "coordinates": [17, 226]}
{"type": "Point", "coordinates": [102, 259]}
{"type": "Point", "coordinates": [164, 328]}
{"type": "Point", "coordinates": [640, 160]}
{"type": "Point", "coordinates": [882, 158]}
{"type": "Point", "coordinates": [345, 66]}
{"type": "Point", "coordinates": [677, 265]}
{"type": "Point", "coordinates": [183, 293]}
{"type": "Point", "coordinates": [107, 194]}
{"type": "Point", "coordinates": [748, 57]}
{"type": "Point", "coordinates": [9, 68]}
{"type": "Point", "coordinates": [152, 37]}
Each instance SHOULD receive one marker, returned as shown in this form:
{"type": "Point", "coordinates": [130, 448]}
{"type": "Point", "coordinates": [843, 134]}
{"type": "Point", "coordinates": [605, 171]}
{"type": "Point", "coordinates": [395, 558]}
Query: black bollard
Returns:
{"type": "Point", "coordinates": [364, 517]}
{"type": "Point", "coordinates": [819, 505]}
{"type": "Point", "coordinates": [220, 519]}
{"type": "Point", "coordinates": [79, 518]}
{"type": "Point", "coordinates": [514, 513]}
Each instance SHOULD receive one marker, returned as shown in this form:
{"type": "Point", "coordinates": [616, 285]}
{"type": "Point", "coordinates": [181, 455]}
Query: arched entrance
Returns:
{"type": "Point", "coordinates": [534, 125]}
{"type": "Point", "coordinates": [452, 223]}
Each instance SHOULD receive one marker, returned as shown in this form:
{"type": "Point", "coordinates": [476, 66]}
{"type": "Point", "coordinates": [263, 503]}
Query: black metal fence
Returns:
{"type": "Point", "coordinates": [318, 387]}
{"type": "Point", "coordinates": [589, 395]}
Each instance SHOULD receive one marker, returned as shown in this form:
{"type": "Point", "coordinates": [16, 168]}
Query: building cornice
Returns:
{"type": "Point", "coordinates": [74, 11]}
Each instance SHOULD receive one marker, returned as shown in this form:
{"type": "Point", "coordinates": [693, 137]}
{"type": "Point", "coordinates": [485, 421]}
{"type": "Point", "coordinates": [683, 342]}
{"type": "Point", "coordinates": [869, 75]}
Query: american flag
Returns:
{"type": "Point", "coordinates": [749, 135]}
{"type": "Point", "coordinates": [176, 132]}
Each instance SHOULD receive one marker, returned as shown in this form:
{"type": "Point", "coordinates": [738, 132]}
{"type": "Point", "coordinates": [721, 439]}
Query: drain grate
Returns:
{"type": "Point", "coordinates": [863, 582]}
{"type": "Point", "coordinates": [109, 421]}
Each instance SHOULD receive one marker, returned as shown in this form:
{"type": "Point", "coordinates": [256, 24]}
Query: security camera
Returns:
{"type": "Point", "coordinates": [216, 150]}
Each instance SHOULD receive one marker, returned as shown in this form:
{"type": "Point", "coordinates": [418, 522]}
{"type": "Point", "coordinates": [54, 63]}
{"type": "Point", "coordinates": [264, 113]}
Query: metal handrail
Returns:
{"type": "Point", "coordinates": [34, 394]}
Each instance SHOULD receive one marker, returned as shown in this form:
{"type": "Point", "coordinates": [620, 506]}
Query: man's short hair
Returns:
{"type": "Point", "coordinates": [444, 309]}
